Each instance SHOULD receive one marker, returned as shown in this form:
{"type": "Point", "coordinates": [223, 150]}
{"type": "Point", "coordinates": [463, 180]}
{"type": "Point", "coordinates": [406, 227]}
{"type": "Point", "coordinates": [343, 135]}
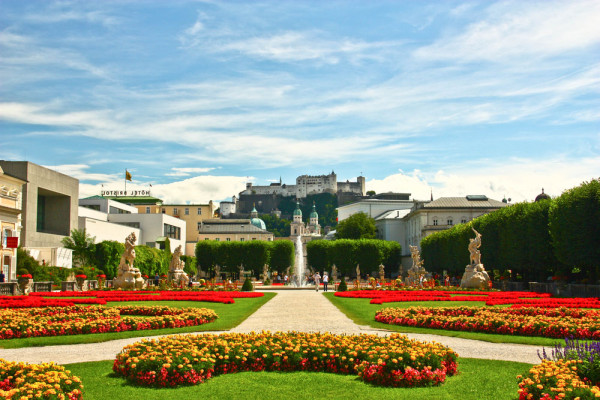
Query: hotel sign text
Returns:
{"type": "Point", "coordinates": [125, 193]}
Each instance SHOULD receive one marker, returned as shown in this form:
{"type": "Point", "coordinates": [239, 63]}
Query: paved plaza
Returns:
{"type": "Point", "coordinates": [289, 310]}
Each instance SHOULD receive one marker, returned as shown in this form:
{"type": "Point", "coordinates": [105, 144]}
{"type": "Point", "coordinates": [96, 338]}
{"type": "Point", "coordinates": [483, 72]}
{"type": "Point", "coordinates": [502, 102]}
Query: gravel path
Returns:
{"type": "Point", "coordinates": [290, 310]}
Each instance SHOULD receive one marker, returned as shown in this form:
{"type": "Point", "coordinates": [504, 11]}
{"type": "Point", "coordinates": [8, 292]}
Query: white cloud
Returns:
{"type": "Point", "coordinates": [518, 179]}
{"type": "Point", "coordinates": [79, 171]}
{"type": "Point", "coordinates": [519, 31]}
{"type": "Point", "coordinates": [187, 171]}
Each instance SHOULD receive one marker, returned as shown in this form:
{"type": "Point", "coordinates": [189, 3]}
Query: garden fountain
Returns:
{"type": "Point", "coordinates": [299, 270]}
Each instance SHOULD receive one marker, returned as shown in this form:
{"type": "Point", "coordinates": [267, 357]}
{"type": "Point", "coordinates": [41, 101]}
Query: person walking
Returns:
{"type": "Point", "coordinates": [317, 279]}
{"type": "Point", "coordinates": [325, 281]}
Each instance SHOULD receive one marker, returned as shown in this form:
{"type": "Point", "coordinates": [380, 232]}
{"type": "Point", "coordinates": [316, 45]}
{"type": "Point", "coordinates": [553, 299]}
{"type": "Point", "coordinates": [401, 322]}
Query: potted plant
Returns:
{"type": "Point", "coordinates": [101, 277]}
{"type": "Point", "coordinates": [80, 280]}
{"type": "Point", "coordinates": [25, 280]}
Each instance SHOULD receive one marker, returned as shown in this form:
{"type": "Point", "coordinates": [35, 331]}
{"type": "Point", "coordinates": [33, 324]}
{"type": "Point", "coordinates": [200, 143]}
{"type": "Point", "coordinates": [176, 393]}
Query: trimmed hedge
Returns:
{"type": "Point", "coordinates": [253, 255]}
{"type": "Point", "coordinates": [549, 237]}
{"type": "Point", "coordinates": [346, 253]}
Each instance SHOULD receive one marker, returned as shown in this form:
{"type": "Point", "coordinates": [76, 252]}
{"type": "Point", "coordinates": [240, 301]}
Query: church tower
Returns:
{"type": "Point", "coordinates": [297, 226]}
{"type": "Point", "coordinates": [297, 213]}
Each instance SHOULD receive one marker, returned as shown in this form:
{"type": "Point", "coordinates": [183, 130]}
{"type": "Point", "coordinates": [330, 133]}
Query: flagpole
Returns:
{"type": "Point", "coordinates": [125, 181]}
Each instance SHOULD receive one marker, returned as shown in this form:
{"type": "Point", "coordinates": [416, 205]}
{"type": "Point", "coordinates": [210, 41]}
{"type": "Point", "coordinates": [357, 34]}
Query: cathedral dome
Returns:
{"type": "Point", "coordinates": [298, 211]}
{"type": "Point", "coordinates": [313, 213]}
{"type": "Point", "coordinates": [259, 223]}
{"type": "Point", "coordinates": [542, 196]}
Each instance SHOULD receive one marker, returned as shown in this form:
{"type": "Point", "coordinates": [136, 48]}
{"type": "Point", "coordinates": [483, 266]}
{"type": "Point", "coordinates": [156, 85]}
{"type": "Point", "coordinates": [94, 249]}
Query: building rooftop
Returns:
{"type": "Point", "coordinates": [135, 200]}
{"type": "Point", "coordinates": [242, 226]}
{"type": "Point", "coordinates": [470, 201]}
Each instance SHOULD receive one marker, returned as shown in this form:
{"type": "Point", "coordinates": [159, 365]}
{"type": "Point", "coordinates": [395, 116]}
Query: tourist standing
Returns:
{"type": "Point", "coordinates": [156, 279]}
{"type": "Point", "coordinates": [317, 279]}
{"type": "Point", "coordinates": [2, 277]}
{"type": "Point", "coordinates": [325, 281]}
{"type": "Point", "coordinates": [285, 280]}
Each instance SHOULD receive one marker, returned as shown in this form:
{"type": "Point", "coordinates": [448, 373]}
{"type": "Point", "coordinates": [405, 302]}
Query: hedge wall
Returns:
{"type": "Point", "coordinates": [253, 255]}
{"type": "Point", "coordinates": [534, 240]}
{"type": "Point", "coordinates": [347, 253]}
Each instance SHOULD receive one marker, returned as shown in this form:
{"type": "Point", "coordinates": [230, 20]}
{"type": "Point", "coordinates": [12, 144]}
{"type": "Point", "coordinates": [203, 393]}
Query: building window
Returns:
{"type": "Point", "coordinates": [174, 210]}
{"type": "Point", "coordinates": [449, 222]}
{"type": "Point", "coordinates": [241, 239]}
{"type": "Point", "coordinates": [435, 222]}
{"type": "Point", "coordinates": [228, 239]}
{"type": "Point", "coordinates": [253, 238]}
{"type": "Point", "coordinates": [147, 210]}
{"type": "Point", "coordinates": [164, 210]}
{"type": "Point", "coordinates": [186, 211]}
{"type": "Point", "coordinates": [463, 220]}
{"type": "Point", "coordinates": [199, 225]}
{"type": "Point", "coordinates": [206, 239]}
{"type": "Point", "coordinates": [218, 240]}
{"type": "Point", "coordinates": [199, 211]}
{"type": "Point", "coordinates": [172, 232]}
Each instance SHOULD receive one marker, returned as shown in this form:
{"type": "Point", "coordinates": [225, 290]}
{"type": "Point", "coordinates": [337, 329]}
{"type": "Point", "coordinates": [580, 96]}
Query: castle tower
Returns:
{"type": "Point", "coordinates": [361, 181]}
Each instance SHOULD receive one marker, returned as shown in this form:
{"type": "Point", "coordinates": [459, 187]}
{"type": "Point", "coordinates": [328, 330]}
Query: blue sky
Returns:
{"type": "Point", "coordinates": [197, 97]}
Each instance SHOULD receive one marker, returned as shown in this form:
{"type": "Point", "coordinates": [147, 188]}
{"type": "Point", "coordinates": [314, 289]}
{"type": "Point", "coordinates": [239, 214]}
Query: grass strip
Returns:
{"type": "Point", "coordinates": [363, 313]}
{"type": "Point", "coordinates": [230, 315]}
{"type": "Point", "coordinates": [478, 379]}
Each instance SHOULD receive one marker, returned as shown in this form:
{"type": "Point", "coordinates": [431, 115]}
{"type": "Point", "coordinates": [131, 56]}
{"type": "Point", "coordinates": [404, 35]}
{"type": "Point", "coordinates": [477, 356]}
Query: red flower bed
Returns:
{"type": "Point", "coordinates": [553, 323]}
{"type": "Point", "coordinates": [491, 298]}
{"type": "Point", "coordinates": [96, 297]}
{"type": "Point", "coordinates": [34, 322]}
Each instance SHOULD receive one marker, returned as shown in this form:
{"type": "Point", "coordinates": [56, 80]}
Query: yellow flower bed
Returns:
{"type": "Point", "coordinates": [552, 380]}
{"type": "Point", "coordinates": [38, 381]}
{"type": "Point", "coordinates": [55, 321]}
{"type": "Point", "coordinates": [191, 359]}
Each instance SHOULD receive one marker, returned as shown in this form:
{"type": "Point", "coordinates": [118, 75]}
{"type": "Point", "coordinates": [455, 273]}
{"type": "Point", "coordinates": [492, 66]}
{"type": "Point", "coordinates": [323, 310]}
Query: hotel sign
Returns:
{"type": "Point", "coordinates": [117, 193]}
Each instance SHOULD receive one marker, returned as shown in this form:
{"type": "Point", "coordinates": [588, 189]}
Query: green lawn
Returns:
{"type": "Point", "coordinates": [363, 313]}
{"type": "Point", "coordinates": [478, 379]}
{"type": "Point", "coordinates": [230, 315]}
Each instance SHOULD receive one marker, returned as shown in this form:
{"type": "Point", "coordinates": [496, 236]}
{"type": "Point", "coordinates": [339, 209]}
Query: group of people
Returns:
{"type": "Point", "coordinates": [317, 278]}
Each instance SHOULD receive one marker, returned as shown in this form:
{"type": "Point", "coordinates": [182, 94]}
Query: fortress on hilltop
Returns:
{"type": "Point", "coordinates": [307, 185]}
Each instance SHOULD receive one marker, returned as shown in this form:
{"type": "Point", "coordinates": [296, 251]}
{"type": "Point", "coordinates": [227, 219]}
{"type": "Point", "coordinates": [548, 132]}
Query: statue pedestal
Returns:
{"type": "Point", "coordinates": [475, 277]}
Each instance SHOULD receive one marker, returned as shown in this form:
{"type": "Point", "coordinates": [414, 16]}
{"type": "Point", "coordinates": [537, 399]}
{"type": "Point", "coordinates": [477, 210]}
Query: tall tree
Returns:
{"type": "Point", "coordinates": [356, 226]}
{"type": "Point", "coordinates": [82, 245]}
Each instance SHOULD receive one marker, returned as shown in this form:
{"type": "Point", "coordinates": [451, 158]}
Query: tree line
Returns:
{"type": "Point", "coordinates": [558, 237]}
{"type": "Point", "coordinates": [346, 254]}
{"type": "Point", "coordinates": [253, 255]}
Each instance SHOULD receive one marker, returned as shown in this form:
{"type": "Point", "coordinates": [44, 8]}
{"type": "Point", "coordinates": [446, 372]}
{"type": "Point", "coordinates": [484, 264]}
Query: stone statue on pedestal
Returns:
{"type": "Point", "coordinates": [334, 273]}
{"type": "Point", "coordinates": [416, 272]}
{"type": "Point", "coordinates": [475, 275]}
{"type": "Point", "coordinates": [381, 272]}
{"type": "Point", "coordinates": [128, 277]}
{"type": "Point", "coordinates": [176, 273]}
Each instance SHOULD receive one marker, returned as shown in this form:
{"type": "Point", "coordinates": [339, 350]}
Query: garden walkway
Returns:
{"type": "Point", "coordinates": [290, 310]}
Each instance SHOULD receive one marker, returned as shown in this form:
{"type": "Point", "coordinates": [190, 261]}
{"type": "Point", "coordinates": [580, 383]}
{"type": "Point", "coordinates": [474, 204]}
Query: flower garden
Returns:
{"type": "Point", "coordinates": [40, 381]}
{"type": "Point", "coordinates": [387, 362]}
{"type": "Point", "coordinates": [186, 360]}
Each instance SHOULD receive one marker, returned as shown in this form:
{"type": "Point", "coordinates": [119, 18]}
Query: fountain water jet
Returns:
{"type": "Point", "coordinates": [299, 270]}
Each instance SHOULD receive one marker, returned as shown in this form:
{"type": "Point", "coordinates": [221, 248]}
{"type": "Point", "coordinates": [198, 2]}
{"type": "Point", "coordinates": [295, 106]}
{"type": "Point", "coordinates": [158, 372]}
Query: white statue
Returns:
{"type": "Point", "coordinates": [128, 277]}
{"type": "Point", "coordinates": [381, 272]}
{"type": "Point", "coordinates": [176, 273]}
{"type": "Point", "coordinates": [475, 275]}
{"type": "Point", "coordinates": [416, 272]}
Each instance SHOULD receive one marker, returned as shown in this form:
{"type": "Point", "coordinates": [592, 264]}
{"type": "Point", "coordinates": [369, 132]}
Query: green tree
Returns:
{"type": "Point", "coordinates": [318, 254]}
{"type": "Point", "coordinates": [206, 254]}
{"type": "Point", "coordinates": [281, 255]}
{"type": "Point", "coordinates": [574, 220]}
{"type": "Point", "coordinates": [356, 226]}
{"type": "Point", "coordinates": [108, 255]}
{"type": "Point", "coordinates": [82, 245]}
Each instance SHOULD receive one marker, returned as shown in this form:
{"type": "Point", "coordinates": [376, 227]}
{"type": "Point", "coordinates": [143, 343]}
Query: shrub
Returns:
{"type": "Point", "coordinates": [342, 287]}
{"type": "Point", "coordinates": [247, 286]}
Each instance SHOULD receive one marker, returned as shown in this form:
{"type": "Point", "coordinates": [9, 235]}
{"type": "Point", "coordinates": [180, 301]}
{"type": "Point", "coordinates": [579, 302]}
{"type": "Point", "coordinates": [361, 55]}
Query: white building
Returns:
{"type": "Point", "coordinates": [228, 207]}
{"type": "Point", "coordinates": [374, 208]}
{"type": "Point", "coordinates": [10, 223]}
{"type": "Point", "coordinates": [49, 211]}
{"type": "Point", "coordinates": [121, 219]}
